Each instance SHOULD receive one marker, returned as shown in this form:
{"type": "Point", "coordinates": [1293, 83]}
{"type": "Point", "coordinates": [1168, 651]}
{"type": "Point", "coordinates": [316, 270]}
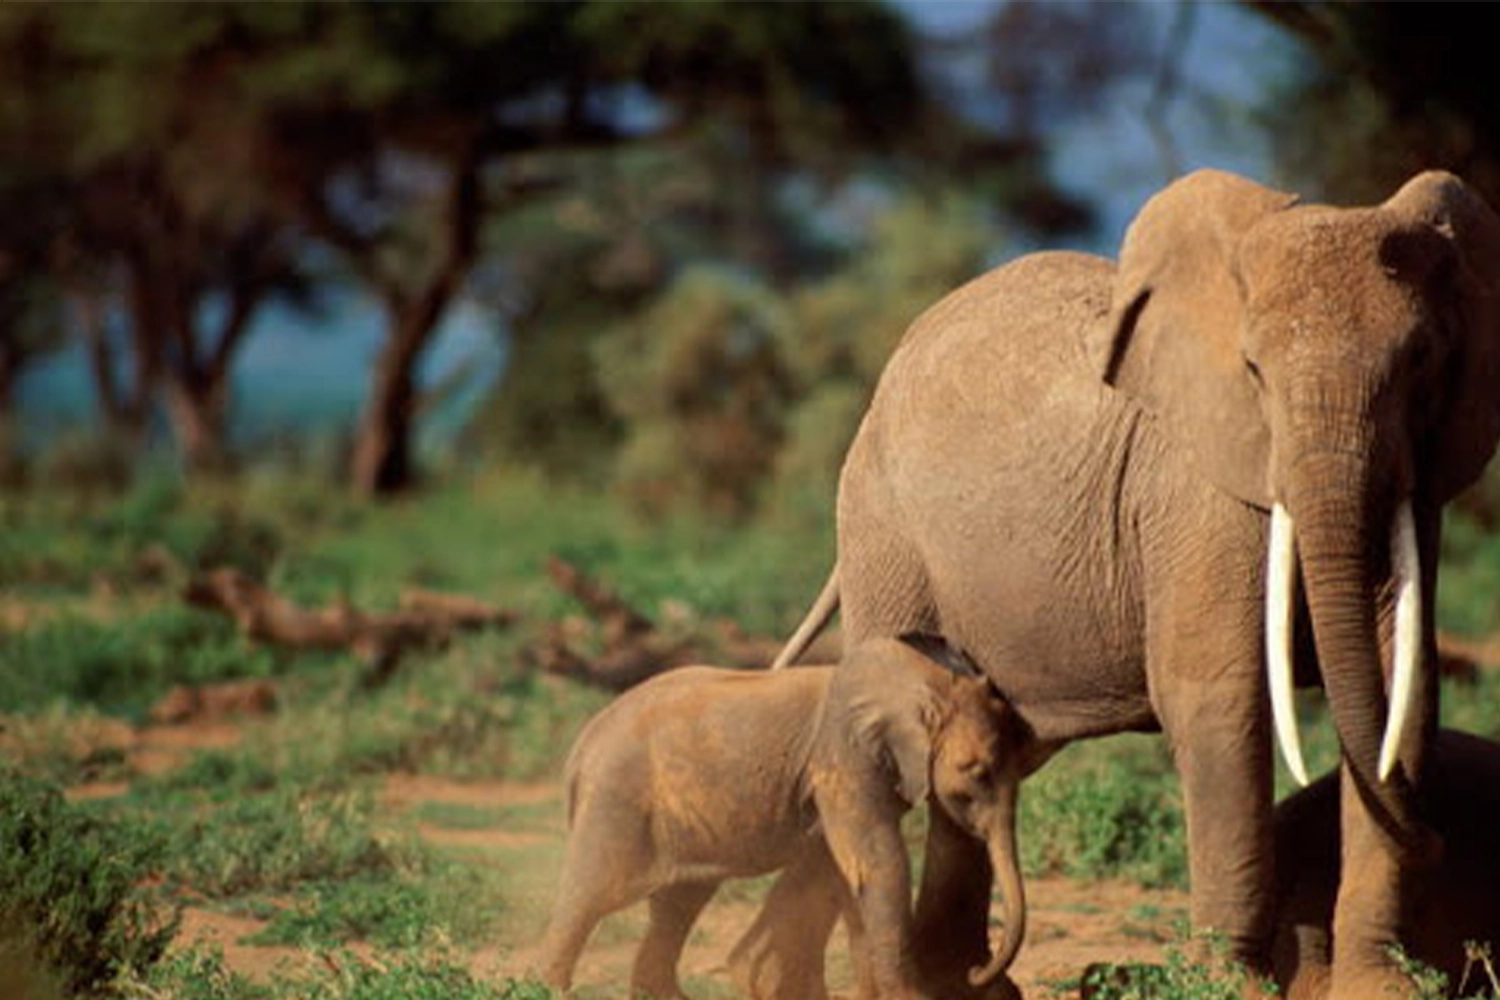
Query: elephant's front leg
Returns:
{"type": "Point", "coordinates": [951, 923]}
{"type": "Point", "coordinates": [1220, 742]}
{"type": "Point", "coordinates": [862, 824]}
{"type": "Point", "coordinates": [1207, 681]}
{"type": "Point", "coordinates": [1375, 878]}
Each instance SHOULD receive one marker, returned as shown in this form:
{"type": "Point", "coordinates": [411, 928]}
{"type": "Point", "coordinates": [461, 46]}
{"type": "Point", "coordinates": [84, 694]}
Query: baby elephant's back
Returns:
{"type": "Point", "coordinates": [715, 759]}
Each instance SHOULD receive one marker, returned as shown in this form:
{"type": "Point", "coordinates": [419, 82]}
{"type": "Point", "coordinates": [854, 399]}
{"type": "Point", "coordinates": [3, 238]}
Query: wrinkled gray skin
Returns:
{"type": "Point", "coordinates": [1457, 901]}
{"type": "Point", "coordinates": [1066, 471]}
{"type": "Point", "coordinates": [703, 774]}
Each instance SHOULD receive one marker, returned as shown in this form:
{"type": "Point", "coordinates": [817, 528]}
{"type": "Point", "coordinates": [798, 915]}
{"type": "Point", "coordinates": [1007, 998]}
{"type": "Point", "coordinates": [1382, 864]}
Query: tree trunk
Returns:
{"type": "Point", "coordinates": [382, 461]}
{"type": "Point", "coordinates": [197, 410]}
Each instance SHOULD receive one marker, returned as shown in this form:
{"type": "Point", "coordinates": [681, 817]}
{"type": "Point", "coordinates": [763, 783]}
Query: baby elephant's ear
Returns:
{"type": "Point", "coordinates": [891, 729]}
{"type": "Point", "coordinates": [909, 743]}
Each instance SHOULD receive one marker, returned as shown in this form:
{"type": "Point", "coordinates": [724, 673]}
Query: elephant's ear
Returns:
{"type": "Point", "coordinates": [894, 729]}
{"type": "Point", "coordinates": [1172, 342]}
{"type": "Point", "coordinates": [1465, 436]}
{"type": "Point", "coordinates": [894, 715]}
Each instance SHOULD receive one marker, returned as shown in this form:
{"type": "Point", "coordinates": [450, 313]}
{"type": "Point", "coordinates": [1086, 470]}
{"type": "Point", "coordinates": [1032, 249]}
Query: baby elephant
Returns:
{"type": "Point", "coordinates": [1456, 902]}
{"type": "Point", "coordinates": [703, 774]}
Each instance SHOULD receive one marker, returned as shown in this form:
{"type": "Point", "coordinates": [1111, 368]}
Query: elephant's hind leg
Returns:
{"type": "Point", "coordinates": [674, 908]}
{"type": "Point", "coordinates": [781, 955]}
{"type": "Point", "coordinates": [600, 876]}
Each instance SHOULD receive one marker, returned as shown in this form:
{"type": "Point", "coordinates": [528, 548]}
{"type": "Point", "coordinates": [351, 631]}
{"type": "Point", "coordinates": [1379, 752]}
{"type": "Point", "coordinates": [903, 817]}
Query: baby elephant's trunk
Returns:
{"type": "Point", "coordinates": [1007, 864]}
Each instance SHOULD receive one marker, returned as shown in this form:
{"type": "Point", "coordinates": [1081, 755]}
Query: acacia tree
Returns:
{"type": "Point", "coordinates": [206, 145]}
{"type": "Point", "coordinates": [128, 110]}
{"type": "Point", "coordinates": [490, 97]}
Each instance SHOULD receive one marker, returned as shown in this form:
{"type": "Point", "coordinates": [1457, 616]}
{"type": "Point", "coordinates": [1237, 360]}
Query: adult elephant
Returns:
{"type": "Point", "coordinates": [1102, 484]}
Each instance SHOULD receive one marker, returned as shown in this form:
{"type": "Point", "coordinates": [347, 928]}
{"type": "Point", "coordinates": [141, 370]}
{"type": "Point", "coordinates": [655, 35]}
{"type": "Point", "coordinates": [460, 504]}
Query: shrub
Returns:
{"type": "Point", "coordinates": [1180, 977]}
{"type": "Point", "coordinates": [200, 974]}
{"type": "Point", "coordinates": [69, 883]}
{"type": "Point", "coordinates": [1106, 810]}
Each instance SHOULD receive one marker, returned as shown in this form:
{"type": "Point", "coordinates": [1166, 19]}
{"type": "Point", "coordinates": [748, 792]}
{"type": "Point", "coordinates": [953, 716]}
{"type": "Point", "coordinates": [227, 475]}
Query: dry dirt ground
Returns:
{"type": "Point", "coordinates": [1071, 923]}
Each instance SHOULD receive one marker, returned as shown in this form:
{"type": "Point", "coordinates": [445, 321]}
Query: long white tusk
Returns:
{"type": "Point", "coordinates": [1281, 583]}
{"type": "Point", "coordinates": [1406, 564]}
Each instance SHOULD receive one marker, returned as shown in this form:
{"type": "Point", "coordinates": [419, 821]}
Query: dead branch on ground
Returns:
{"type": "Point", "coordinates": [423, 620]}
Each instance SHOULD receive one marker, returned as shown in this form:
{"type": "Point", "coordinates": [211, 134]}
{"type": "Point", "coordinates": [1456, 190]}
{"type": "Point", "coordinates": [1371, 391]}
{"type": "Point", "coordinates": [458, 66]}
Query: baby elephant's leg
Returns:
{"type": "Point", "coordinates": [674, 908]}
{"type": "Point", "coordinates": [781, 956]}
{"type": "Point", "coordinates": [601, 874]}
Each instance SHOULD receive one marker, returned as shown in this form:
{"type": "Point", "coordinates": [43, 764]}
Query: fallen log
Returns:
{"type": "Point", "coordinates": [424, 619]}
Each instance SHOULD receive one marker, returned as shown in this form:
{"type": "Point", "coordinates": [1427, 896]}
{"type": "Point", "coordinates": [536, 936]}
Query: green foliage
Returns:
{"type": "Point", "coordinates": [121, 666]}
{"type": "Point", "coordinates": [156, 529]}
{"type": "Point", "coordinates": [1429, 983]}
{"type": "Point", "coordinates": [1468, 596]}
{"type": "Point", "coordinates": [387, 914]}
{"type": "Point", "coordinates": [69, 891]}
{"type": "Point", "coordinates": [1108, 809]}
{"type": "Point", "coordinates": [66, 744]}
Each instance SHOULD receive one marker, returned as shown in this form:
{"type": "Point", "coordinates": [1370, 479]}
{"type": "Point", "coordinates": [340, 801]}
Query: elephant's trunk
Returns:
{"type": "Point", "coordinates": [1343, 530]}
{"type": "Point", "coordinates": [1006, 862]}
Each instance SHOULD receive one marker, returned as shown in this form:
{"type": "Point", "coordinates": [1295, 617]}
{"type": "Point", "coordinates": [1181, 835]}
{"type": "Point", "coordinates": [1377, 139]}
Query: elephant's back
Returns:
{"type": "Point", "coordinates": [704, 751]}
{"type": "Point", "coordinates": [984, 490]}
{"type": "Point", "coordinates": [1010, 334]}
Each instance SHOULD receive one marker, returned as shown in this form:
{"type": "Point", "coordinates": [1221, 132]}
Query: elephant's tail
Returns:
{"type": "Point", "coordinates": [817, 617]}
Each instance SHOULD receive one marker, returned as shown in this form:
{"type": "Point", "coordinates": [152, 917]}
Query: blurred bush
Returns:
{"type": "Point", "coordinates": [700, 386]}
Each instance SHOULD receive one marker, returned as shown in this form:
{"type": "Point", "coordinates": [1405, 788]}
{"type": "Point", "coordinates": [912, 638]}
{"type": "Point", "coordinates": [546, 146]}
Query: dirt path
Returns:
{"type": "Point", "coordinates": [1071, 923]}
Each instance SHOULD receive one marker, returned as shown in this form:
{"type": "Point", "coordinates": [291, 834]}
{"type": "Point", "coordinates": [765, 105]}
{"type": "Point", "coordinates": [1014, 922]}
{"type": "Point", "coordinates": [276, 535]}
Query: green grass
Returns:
{"type": "Point", "coordinates": [413, 974]}
{"type": "Point", "coordinates": [288, 825]}
{"type": "Point", "coordinates": [1194, 969]}
{"type": "Point", "coordinates": [124, 664]}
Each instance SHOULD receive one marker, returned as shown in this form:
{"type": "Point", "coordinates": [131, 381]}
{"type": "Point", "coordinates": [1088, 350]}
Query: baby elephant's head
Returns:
{"type": "Point", "coordinates": [980, 752]}
{"type": "Point", "coordinates": [978, 757]}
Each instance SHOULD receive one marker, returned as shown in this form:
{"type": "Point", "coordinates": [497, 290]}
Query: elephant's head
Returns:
{"type": "Point", "coordinates": [1339, 368]}
{"type": "Point", "coordinates": [951, 740]}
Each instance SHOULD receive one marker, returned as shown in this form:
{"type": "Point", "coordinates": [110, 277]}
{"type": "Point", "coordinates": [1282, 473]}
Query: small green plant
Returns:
{"type": "Point", "coordinates": [1430, 983]}
{"type": "Point", "coordinates": [385, 912]}
{"type": "Point", "coordinates": [406, 976]}
{"type": "Point", "coordinates": [416, 974]}
{"type": "Point", "coordinates": [1212, 976]}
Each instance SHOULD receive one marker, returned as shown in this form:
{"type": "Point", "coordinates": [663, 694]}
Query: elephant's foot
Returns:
{"type": "Point", "coordinates": [1374, 982]}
